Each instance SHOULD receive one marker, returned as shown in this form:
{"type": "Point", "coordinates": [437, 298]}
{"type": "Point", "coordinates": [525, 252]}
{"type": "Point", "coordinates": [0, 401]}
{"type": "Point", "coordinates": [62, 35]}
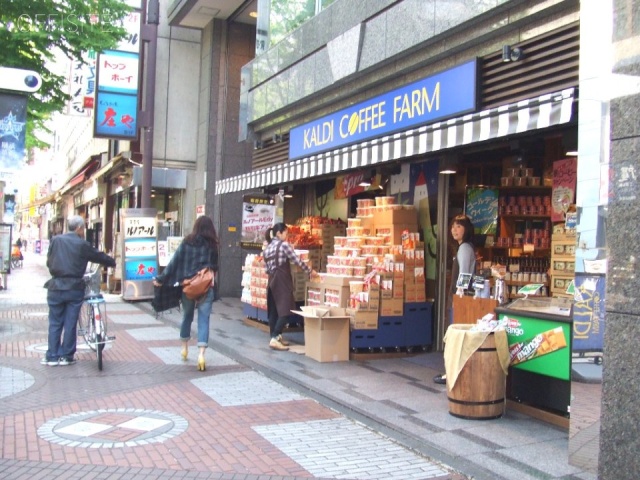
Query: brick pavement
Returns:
{"type": "Point", "coordinates": [149, 415]}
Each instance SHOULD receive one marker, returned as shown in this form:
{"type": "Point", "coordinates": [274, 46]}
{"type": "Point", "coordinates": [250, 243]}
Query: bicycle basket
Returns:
{"type": "Point", "coordinates": [92, 281]}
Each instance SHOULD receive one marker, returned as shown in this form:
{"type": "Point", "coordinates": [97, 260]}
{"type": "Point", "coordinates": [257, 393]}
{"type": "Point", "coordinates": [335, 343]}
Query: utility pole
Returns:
{"type": "Point", "coordinates": [150, 38]}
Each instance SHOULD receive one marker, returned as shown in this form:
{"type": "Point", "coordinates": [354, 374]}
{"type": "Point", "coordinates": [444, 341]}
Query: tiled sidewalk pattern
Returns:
{"type": "Point", "coordinates": [136, 414]}
{"type": "Point", "coordinates": [336, 448]}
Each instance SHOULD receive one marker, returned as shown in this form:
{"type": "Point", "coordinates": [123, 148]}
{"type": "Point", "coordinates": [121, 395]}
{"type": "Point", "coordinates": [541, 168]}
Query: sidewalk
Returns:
{"type": "Point", "coordinates": [254, 413]}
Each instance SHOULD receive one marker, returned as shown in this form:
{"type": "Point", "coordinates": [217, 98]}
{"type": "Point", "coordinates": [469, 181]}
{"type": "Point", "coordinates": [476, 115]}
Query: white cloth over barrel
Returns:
{"type": "Point", "coordinates": [460, 344]}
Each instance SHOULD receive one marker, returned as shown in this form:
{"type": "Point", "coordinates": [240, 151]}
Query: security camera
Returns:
{"type": "Point", "coordinates": [19, 80]}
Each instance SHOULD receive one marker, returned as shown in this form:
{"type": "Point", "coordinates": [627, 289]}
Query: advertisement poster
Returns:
{"type": "Point", "coordinates": [13, 123]}
{"type": "Point", "coordinates": [258, 215]}
{"type": "Point", "coordinates": [354, 183]}
{"type": "Point", "coordinates": [166, 249]}
{"type": "Point", "coordinates": [563, 195]}
{"type": "Point", "coordinates": [481, 206]}
{"type": "Point", "coordinates": [422, 186]}
{"type": "Point", "coordinates": [588, 313]}
{"type": "Point", "coordinates": [539, 346]}
{"type": "Point", "coordinates": [140, 254]}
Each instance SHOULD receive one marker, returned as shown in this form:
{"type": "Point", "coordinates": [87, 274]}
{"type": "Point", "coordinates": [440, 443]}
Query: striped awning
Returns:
{"type": "Point", "coordinates": [524, 116]}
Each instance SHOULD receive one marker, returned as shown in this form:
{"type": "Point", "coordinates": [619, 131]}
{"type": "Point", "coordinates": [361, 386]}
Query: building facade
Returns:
{"type": "Point", "coordinates": [355, 51]}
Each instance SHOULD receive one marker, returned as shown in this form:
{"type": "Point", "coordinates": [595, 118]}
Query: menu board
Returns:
{"type": "Point", "coordinates": [258, 215]}
{"type": "Point", "coordinates": [481, 206]}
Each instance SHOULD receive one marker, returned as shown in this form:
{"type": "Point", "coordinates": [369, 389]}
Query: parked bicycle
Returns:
{"type": "Point", "coordinates": [92, 322]}
{"type": "Point", "coordinates": [16, 257]}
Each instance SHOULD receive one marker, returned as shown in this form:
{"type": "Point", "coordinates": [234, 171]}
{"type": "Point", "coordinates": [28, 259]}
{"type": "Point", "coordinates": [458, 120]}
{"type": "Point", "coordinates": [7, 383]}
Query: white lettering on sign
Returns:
{"type": "Point", "coordinates": [415, 104]}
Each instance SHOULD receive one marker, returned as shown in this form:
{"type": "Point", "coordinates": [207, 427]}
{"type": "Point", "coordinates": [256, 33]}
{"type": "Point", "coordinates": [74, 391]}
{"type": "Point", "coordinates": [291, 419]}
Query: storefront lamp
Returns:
{"type": "Point", "coordinates": [511, 54]}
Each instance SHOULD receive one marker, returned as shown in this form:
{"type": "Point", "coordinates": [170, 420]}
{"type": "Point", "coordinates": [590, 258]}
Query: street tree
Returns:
{"type": "Point", "coordinates": [34, 32]}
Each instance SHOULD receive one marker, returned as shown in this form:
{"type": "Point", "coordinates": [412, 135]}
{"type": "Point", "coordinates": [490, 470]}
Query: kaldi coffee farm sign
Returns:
{"type": "Point", "coordinates": [430, 99]}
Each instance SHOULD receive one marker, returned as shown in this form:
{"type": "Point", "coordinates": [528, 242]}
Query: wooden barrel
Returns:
{"type": "Point", "coordinates": [479, 392]}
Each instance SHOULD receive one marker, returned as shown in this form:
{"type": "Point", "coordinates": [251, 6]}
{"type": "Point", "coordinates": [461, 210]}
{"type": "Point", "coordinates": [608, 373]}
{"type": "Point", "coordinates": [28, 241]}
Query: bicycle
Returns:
{"type": "Point", "coordinates": [16, 257]}
{"type": "Point", "coordinates": [92, 322]}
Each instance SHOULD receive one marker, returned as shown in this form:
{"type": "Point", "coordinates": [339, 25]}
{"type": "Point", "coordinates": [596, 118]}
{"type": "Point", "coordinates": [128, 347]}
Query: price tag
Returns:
{"type": "Point", "coordinates": [530, 289]}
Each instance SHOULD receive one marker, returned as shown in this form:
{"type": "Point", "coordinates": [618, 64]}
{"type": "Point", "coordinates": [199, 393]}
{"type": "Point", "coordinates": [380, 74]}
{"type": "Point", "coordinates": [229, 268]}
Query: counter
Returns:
{"type": "Point", "coordinates": [539, 334]}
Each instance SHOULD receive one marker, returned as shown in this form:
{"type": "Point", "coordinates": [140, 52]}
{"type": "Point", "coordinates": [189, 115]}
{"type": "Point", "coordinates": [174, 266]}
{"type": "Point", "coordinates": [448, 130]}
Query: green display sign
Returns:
{"type": "Point", "coordinates": [539, 346]}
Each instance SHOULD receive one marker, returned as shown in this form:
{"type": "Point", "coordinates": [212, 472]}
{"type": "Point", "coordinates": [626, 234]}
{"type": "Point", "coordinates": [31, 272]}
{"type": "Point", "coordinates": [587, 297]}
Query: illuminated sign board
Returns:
{"type": "Point", "coordinates": [437, 97]}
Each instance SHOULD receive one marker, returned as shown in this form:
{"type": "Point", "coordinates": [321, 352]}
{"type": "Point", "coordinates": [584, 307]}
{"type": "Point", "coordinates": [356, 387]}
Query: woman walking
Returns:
{"type": "Point", "coordinates": [198, 250]}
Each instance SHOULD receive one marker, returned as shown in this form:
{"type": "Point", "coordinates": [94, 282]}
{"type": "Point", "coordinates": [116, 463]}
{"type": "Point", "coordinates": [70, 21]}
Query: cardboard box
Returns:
{"type": "Point", "coordinates": [336, 280]}
{"type": "Point", "coordinates": [394, 231]}
{"type": "Point", "coordinates": [410, 293]}
{"type": "Point", "coordinates": [404, 216]}
{"type": "Point", "coordinates": [391, 307]}
{"type": "Point", "coordinates": [361, 320]}
{"type": "Point", "coordinates": [326, 333]}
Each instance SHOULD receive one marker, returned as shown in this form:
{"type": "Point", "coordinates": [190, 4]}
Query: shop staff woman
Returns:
{"type": "Point", "coordinates": [277, 255]}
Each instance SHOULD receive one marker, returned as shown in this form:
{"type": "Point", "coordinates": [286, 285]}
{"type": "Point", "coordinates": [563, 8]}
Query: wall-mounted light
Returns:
{"type": "Point", "coordinates": [276, 138]}
{"type": "Point", "coordinates": [511, 54]}
{"type": "Point", "coordinates": [257, 145]}
{"type": "Point", "coordinates": [572, 153]}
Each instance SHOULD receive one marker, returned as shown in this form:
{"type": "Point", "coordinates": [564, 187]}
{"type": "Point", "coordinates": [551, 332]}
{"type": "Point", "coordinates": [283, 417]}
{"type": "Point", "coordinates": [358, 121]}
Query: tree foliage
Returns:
{"type": "Point", "coordinates": [33, 32]}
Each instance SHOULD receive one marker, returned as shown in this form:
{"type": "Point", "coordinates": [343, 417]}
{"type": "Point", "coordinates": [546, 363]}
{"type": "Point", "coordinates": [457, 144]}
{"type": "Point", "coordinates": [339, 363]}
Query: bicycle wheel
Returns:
{"type": "Point", "coordinates": [86, 325]}
{"type": "Point", "coordinates": [101, 334]}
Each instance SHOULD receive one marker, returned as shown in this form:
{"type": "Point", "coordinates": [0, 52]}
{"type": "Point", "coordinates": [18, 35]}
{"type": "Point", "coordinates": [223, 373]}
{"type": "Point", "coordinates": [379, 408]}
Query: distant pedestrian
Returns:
{"type": "Point", "coordinates": [278, 256]}
{"type": "Point", "coordinates": [67, 260]}
{"type": "Point", "coordinates": [198, 250]}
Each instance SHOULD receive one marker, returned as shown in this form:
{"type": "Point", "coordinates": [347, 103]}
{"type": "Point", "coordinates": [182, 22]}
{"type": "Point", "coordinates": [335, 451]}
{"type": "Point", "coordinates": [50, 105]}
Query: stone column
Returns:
{"type": "Point", "coordinates": [619, 439]}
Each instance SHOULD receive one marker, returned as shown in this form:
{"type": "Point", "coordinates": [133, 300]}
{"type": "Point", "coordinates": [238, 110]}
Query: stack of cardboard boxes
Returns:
{"type": "Point", "coordinates": [377, 268]}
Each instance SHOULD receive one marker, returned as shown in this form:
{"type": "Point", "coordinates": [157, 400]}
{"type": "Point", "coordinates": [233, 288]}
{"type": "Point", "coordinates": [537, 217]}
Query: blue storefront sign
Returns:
{"type": "Point", "coordinates": [440, 96]}
{"type": "Point", "coordinates": [588, 313]}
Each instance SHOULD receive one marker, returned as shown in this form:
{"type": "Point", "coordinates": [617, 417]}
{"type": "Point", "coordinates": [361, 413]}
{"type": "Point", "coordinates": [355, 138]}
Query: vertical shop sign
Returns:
{"type": "Point", "coordinates": [564, 187]}
{"type": "Point", "coordinates": [588, 313]}
{"type": "Point", "coordinates": [116, 105]}
{"type": "Point", "coordinates": [258, 215]}
{"type": "Point", "coordinates": [82, 85]}
{"type": "Point", "coordinates": [481, 206]}
{"type": "Point", "coordinates": [13, 122]}
{"type": "Point", "coordinates": [5, 249]}
{"type": "Point", "coordinates": [139, 252]}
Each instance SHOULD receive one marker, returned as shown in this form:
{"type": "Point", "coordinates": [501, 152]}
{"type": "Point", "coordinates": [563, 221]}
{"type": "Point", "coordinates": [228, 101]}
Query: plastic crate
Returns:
{"type": "Point", "coordinates": [418, 319]}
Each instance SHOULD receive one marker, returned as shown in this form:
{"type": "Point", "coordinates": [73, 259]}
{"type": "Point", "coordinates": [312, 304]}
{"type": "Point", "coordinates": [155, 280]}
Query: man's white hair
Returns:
{"type": "Point", "coordinates": [74, 222]}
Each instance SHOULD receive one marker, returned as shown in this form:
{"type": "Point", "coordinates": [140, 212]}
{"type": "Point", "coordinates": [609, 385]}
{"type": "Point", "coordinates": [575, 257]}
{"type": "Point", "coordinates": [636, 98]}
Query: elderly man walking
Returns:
{"type": "Point", "coordinates": [67, 260]}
